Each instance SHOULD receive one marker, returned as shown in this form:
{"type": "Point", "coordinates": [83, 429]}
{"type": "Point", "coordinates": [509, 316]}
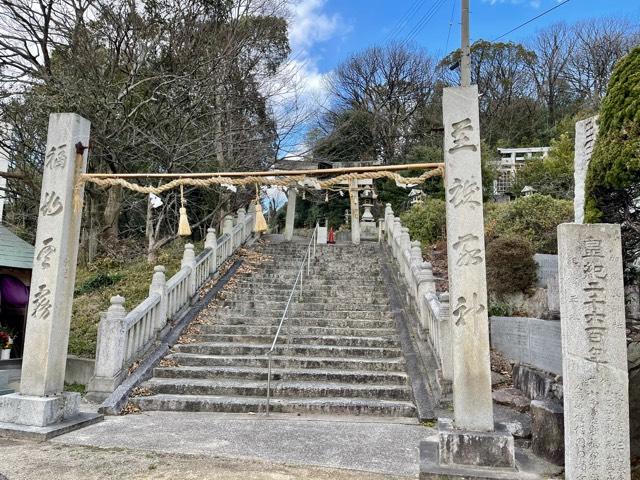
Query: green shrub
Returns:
{"type": "Point", "coordinates": [99, 281]}
{"type": "Point", "coordinates": [426, 221]}
{"type": "Point", "coordinates": [510, 265]}
{"type": "Point", "coordinates": [534, 218]}
{"type": "Point", "coordinates": [613, 179]}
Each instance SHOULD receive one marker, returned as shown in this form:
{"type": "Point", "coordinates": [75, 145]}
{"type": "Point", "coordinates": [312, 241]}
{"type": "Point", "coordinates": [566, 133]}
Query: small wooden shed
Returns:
{"type": "Point", "coordinates": [16, 261]}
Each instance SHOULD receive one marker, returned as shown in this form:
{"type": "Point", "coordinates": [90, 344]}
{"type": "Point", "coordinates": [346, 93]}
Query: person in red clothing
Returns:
{"type": "Point", "coordinates": [332, 236]}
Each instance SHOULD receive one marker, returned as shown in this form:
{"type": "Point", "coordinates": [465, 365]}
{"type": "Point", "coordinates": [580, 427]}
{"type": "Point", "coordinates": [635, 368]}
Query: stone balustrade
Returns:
{"type": "Point", "coordinates": [125, 337]}
{"type": "Point", "coordinates": [434, 324]}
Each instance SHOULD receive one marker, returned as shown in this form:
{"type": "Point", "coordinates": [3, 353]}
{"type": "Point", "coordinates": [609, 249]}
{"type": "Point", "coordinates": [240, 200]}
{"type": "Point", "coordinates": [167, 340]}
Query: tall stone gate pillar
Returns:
{"type": "Point", "coordinates": [470, 440]}
{"type": "Point", "coordinates": [355, 212]}
{"type": "Point", "coordinates": [41, 401]}
{"type": "Point", "coordinates": [291, 214]}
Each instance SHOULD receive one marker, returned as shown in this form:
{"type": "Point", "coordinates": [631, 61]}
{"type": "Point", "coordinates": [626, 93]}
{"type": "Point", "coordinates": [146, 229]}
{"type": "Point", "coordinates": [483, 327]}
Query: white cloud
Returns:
{"type": "Point", "coordinates": [309, 24]}
{"type": "Point", "coordinates": [300, 87]}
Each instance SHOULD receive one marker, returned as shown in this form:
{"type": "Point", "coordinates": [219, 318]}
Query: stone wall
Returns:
{"type": "Point", "coordinates": [531, 341]}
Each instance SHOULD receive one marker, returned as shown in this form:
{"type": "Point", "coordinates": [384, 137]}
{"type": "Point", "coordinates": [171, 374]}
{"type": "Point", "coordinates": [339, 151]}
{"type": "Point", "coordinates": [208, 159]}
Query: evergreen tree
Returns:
{"type": "Point", "coordinates": [613, 180]}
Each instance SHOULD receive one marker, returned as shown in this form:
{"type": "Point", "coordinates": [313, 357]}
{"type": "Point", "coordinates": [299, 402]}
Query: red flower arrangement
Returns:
{"type": "Point", "coordinates": [6, 340]}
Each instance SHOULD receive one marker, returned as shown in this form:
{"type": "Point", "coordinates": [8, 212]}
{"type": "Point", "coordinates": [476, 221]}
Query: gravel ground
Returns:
{"type": "Point", "coordinates": [52, 461]}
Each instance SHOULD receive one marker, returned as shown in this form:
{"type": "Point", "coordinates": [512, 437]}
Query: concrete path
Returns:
{"type": "Point", "coordinates": [359, 444]}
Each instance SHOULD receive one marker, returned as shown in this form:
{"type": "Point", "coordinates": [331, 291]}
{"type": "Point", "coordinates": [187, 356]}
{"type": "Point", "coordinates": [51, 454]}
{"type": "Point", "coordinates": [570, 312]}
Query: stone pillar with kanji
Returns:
{"type": "Point", "coordinates": [470, 442]}
{"type": "Point", "coordinates": [41, 400]}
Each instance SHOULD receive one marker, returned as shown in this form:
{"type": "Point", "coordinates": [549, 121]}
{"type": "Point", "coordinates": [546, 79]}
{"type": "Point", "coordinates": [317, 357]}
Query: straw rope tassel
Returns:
{"type": "Point", "coordinates": [261, 223]}
{"type": "Point", "coordinates": [184, 230]}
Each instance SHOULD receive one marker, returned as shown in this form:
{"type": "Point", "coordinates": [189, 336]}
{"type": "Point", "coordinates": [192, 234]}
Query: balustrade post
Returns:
{"type": "Point", "coordinates": [212, 242]}
{"type": "Point", "coordinates": [395, 238]}
{"type": "Point", "coordinates": [242, 214]}
{"type": "Point", "coordinates": [189, 260]}
{"type": "Point", "coordinates": [227, 225]}
{"type": "Point", "coordinates": [110, 353]}
{"type": "Point", "coordinates": [425, 284]}
{"type": "Point", "coordinates": [446, 339]}
{"type": "Point", "coordinates": [388, 223]}
{"type": "Point", "coordinates": [227, 229]}
{"type": "Point", "coordinates": [405, 250]}
{"type": "Point", "coordinates": [159, 286]}
{"type": "Point", "coordinates": [415, 265]}
{"type": "Point", "coordinates": [252, 216]}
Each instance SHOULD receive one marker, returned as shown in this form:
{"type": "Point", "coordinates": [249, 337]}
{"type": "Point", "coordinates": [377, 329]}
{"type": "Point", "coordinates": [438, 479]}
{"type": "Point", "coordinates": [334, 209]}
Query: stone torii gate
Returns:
{"type": "Point", "coordinates": [42, 408]}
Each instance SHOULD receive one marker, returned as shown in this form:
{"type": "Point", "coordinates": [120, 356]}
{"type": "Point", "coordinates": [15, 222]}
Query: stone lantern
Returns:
{"type": "Point", "coordinates": [367, 203]}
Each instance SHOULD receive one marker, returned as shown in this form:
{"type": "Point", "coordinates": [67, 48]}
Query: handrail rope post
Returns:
{"type": "Point", "coordinates": [301, 281]}
{"type": "Point", "coordinates": [268, 381]}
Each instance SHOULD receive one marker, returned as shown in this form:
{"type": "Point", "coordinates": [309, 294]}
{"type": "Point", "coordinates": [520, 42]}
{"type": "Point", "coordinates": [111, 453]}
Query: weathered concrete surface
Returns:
{"type": "Point", "coordinates": [536, 383]}
{"type": "Point", "coordinates": [547, 429]}
{"type": "Point", "coordinates": [55, 461]}
{"type": "Point", "coordinates": [79, 370]}
{"type": "Point", "coordinates": [528, 340]}
{"type": "Point", "coordinates": [512, 397]}
{"type": "Point", "coordinates": [488, 449]}
{"type": "Point", "coordinates": [528, 467]}
{"type": "Point", "coordinates": [387, 446]}
{"type": "Point", "coordinates": [594, 352]}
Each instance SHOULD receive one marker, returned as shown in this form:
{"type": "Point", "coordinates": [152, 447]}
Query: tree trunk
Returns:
{"type": "Point", "coordinates": [112, 214]}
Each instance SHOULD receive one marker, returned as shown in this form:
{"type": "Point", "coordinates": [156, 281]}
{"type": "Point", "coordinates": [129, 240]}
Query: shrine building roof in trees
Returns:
{"type": "Point", "coordinates": [14, 252]}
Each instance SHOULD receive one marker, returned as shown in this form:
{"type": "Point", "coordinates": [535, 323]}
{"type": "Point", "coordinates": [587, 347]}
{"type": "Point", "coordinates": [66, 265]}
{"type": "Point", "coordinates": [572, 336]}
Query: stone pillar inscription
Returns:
{"type": "Point", "coordinates": [586, 133]}
{"type": "Point", "coordinates": [594, 352]}
{"type": "Point", "coordinates": [55, 258]}
{"type": "Point", "coordinates": [472, 402]}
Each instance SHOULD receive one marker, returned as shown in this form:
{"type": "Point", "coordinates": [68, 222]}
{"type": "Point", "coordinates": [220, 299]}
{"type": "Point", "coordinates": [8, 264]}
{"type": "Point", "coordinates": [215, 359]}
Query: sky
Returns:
{"type": "Point", "coordinates": [323, 33]}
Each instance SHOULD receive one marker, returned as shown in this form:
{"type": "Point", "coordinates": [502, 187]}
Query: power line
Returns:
{"type": "Point", "coordinates": [424, 20]}
{"type": "Point", "coordinates": [404, 20]}
{"type": "Point", "coordinates": [453, 9]}
{"type": "Point", "coordinates": [531, 20]}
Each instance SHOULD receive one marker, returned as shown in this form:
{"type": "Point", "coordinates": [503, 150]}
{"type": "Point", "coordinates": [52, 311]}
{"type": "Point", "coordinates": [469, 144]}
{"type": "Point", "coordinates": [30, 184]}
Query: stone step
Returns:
{"type": "Point", "coordinates": [295, 362]}
{"type": "Point", "coordinates": [261, 373]}
{"type": "Point", "coordinates": [340, 340]}
{"type": "Point", "coordinates": [288, 280]}
{"type": "Point", "coordinates": [213, 348]}
{"type": "Point", "coordinates": [280, 388]}
{"type": "Point", "coordinates": [328, 290]}
{"type": "Point", "coordinates": [260, 313]}
{"type": "Point", "coordinates": [298, 306]}
{"type": "Point", "coordinates": [308, 330]}
{"type": "Point", "coordinates": [328, 321]}
{"type": "Point", "coordinates": [310, 296]}
{"type": "Point", "coordinates": [324, 405]}
{"type": "Point", "coordinates": [352, 270]}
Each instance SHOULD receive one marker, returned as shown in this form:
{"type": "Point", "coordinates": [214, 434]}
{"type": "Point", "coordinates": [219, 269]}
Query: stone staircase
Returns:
{"type": "Point", "coordinates": [343, 355]}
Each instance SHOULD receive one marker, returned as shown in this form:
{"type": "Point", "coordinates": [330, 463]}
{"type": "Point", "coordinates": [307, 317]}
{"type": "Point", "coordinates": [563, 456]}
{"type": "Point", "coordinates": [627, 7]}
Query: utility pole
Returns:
{"type": "Point", "coordinates": [465, 61]}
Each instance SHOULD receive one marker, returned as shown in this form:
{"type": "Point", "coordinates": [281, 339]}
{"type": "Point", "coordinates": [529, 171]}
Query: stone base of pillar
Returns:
{"type": "Point", "coordinates": [99, 388]}
{"type": "Point", "coordinates": [368, 231]}
{"type": "Point", "coordinates": [40, 418]}
{"type": "Point", "coordinates": [478, 455]}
